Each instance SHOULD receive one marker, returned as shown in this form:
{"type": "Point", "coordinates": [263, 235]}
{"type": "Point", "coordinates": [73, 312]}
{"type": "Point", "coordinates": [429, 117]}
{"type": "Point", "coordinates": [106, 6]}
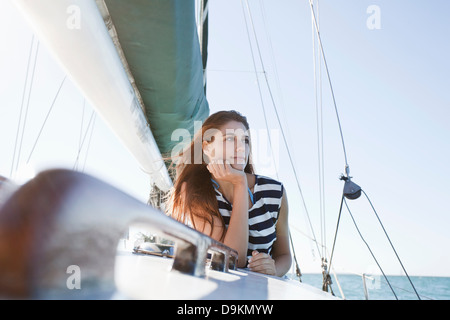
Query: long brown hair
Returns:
{"type": "Point", "coordinates": [200, 200]}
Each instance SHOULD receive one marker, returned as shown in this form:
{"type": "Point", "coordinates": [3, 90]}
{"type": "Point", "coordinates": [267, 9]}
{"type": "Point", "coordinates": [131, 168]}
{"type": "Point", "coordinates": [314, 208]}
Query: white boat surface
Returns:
{"type": "Point", "coordinates": [149, 277]}
{"type": "Point", "coordinates": [75, 250]}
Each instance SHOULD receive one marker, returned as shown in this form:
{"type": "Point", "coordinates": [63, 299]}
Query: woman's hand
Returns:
{"type": "Point", "coordinates": [262, 262]}
{"type": "Point", "coordinates": [223, 171]}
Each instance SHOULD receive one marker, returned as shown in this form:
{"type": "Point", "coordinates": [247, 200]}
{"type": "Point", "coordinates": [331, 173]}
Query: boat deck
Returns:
{"type": "Point", "coordinates": [141, 276]}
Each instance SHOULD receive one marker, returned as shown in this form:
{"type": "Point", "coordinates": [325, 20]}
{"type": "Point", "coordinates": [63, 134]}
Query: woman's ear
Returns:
{"type": "Point", "coordinates": [207, 150]}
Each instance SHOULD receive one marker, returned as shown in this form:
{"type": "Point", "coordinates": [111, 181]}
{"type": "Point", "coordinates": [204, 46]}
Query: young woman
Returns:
{"type": "Point", "coordinates": [217, 192]}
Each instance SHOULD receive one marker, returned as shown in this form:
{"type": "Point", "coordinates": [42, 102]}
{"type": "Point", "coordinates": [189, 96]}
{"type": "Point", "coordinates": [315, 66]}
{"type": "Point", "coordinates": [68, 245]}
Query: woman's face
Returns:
{"type": "Point", "coordinates": [230, 143]}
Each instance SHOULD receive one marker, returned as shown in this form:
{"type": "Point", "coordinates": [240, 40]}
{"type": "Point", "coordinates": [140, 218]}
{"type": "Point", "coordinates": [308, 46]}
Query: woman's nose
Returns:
{"type": "Point", "coordinates": [240, 146]}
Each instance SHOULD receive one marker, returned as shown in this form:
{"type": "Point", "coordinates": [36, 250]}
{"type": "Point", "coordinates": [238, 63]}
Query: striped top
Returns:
{"type": "Point", "coordinates": [262, 216]}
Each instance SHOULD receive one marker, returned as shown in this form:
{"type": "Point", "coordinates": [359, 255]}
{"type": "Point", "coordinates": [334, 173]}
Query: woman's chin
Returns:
{"type": "Point", "coordinates": [237, 166]}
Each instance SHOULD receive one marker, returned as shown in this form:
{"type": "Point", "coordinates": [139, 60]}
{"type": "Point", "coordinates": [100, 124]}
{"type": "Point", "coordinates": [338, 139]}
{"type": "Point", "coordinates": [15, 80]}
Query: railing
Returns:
{"type": "Point", "coordinates": [63, 218]}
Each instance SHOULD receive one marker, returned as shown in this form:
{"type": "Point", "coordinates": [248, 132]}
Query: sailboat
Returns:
{"type": "Point", "coordinates": [141, 66]}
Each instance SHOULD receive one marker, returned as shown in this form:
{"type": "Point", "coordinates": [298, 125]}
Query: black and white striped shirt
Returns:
{"type": "Point", "coordinates": [262, 216]}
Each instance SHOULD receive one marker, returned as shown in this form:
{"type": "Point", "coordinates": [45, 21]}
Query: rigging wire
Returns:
{"type": "Point", "coordinates": [282, 131]}
{"type": "Point", "coordinates": [21, 105]}
{"type": "Point", "coordinates": [27, 106]}
{"type": "Point", "coordinates": [278, 118]}
{"type": "Point", "coordinates": [91, 120]}
{"type": "Point", "coordinates": [82, 123]}
{"type": "Point", "coordinates": [275, 67]}
{"type": "Point", "coordinates": [316, 25]}
{"type": "Point", "coordinates": [368, 247]}
{"type": "Point", "coordinates": [298, 271]}
{"type": "Point", "coordinates": [46, 118]}
{"type": "Point", "coordinates": [390, 242]}
{"type": "Point", "coordinates": [81, 141]}
{"type": "Point", "coordinates": [281, 102]}
{"type": "Point", "coordinates": [336, 232]}
{"type": "Point", "coordinates": [320, 152]}
{"type": "Point", "coordinates": [89, 143]}
{"type": "Point", "coordinates": [345, 153]}
{"type": "Point", "coordinates": [330, 84]}
{"type": "Point", "coordinates": [320, 143]}
{"type": "Point", "coordinates": [319, 120]}
{"type": "Point", "coordinates": [281, 127]}
{"type": "Point", "coordinates": [258, 83]}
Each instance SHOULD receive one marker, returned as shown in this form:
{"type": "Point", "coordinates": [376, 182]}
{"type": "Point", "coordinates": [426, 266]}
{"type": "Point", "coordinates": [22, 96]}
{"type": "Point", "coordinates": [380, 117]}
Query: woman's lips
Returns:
{"type": "Point", "coordinates": [239, 160]}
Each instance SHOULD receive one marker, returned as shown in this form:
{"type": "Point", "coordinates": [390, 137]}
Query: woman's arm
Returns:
{"type": "Point", "coordinates": [236, 236]}
{"type": "Point", "coordinates": [281, 250]}
{"type": "Point", "coordinates": [281, 260]}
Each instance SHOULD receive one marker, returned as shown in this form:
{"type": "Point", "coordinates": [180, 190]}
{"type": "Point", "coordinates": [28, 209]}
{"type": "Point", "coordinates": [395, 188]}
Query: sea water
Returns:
{"type": "Point", "coordinates": [428, 288]}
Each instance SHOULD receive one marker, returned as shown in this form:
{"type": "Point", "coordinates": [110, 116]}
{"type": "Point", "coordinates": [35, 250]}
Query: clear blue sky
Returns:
{"type": "Point", "coordinates": [392, 94]}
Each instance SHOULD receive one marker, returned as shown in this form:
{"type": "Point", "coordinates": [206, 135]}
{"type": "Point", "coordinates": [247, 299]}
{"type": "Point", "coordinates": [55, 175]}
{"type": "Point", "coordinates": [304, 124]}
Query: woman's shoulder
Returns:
{"type": "Point", "coordinates": [269, 186]}
{"type": "Point", "coordinates": [265, 180]}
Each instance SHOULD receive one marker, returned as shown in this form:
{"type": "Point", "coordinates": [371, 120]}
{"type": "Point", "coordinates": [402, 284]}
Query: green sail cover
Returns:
{"type": "Point", "coordinates": [160, 42]}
